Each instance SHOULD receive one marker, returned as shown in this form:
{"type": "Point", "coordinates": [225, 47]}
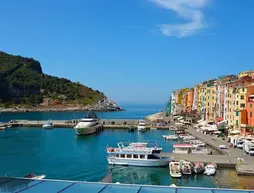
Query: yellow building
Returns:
{"type": "Point", "coordinates": [201, 97]}
{"type": "Point", "coordinates": [210, 102]}
{"type": "Point", "coordinates": [239, 105]}
{"type": "Point", "coordinates": [245, 73]}
{"type": "Point", "coordinates": [231, 106]}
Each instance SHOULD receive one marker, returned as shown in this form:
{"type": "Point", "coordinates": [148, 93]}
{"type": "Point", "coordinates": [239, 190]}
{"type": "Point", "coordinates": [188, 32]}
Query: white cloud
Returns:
{"type": "Point", "coordinates": [190, 10]}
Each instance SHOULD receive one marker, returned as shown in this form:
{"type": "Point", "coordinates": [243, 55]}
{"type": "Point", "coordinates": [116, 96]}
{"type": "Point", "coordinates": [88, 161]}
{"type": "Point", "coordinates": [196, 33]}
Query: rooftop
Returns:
{"type": "Point", "coordinates": [42, 186]}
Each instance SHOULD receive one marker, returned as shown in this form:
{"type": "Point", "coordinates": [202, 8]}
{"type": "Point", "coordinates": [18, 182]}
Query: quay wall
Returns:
{"type": "Point", "coordinates": [107, 123]}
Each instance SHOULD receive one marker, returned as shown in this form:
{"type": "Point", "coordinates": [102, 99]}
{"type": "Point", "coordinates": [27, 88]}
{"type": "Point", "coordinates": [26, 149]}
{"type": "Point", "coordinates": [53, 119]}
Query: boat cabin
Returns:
{"type": "Point", "coordinates": [137, 156]}
{"type": "Point", "coordinates": [182, 148]}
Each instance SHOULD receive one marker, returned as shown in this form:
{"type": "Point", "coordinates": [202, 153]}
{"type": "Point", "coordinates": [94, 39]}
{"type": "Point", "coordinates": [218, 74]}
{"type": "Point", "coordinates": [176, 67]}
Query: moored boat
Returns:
{"type": "Point", "coordinates": [174, 169]}
{"type": "Point", "coordinates": [88, 125]}
{"type": "Point", "coordinates": [210, 169]}
{"type": "Point", "coordinates": [170, 137]}
{"type": "Point", "coordinates": [199, 167]}
{"type": "Point", "coordinates": [48, 125]}
{"type": "Point", "coordinates": [136, 154]}
{"type": "Point", "coordinates": [141, 125]}
{"type": "Point", "coordinates": [186, 168]}
{"type": "Point", "coordinates": [35, 177]}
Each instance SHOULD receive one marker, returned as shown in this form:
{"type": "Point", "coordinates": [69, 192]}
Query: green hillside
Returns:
{"type": "Point", "coordinates": [23, 82]}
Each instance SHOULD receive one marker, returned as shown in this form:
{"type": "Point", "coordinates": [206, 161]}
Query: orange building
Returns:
{"type": "Point", "coordinates": [250, 110]}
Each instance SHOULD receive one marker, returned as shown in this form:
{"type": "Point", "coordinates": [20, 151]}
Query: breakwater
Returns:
{"type": "Point", "coordinates": [107, 123]}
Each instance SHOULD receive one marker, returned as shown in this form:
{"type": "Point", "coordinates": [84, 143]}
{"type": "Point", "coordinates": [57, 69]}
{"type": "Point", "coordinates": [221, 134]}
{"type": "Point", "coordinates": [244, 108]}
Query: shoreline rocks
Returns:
{"type": "Point", "coordinates": [104, 105]}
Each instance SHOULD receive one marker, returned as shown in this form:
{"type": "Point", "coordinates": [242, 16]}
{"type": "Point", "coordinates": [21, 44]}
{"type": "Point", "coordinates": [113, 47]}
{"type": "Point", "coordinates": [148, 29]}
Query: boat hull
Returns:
{"type": "Point", "coordinates": [88, 130]}
{"type": "Point", "coordinates": [198, 170]}
{"type": "Point", "coordinates": [141, 128]}
{"type": "Point", "coordinates": [145, 163]}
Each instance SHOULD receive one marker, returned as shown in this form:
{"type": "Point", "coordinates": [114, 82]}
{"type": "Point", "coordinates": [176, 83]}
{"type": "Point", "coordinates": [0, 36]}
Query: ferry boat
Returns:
{"type": "Point", "coordinates": [199, 167]}
{"type": "Point", "coordinates": [48, 125]}
{"type": "Point", "coordinates": [88, 125]}
{"type": "Point", "coordinates": [136, 154]}
{"type": "Point", "coordinates": [141, 125]}
{"type": "Point", "coordinates": [210, 169]}
{"type": "Point", "coordinates": [174, 169]}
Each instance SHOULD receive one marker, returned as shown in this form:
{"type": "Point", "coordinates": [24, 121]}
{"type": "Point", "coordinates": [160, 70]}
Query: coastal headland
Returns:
{"type": "Point", "coordinates": [27, 89]}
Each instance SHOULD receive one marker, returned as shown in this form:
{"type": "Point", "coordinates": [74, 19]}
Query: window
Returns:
{"type": "Point", "coordinates": [250, 114]}
{"type": "Point", "coordinates": [142, 156]}
{"type": "Point", "coordinates": [236, 122]}
{"type": "Point", "coordinates": [237, 113]}
{"type": "Point", "coordinates": [208, 97]}
{"type": "Point", "coordinates": [117, 155]}
{"type": "Point", "coordinates": [243, 88]}
{"type": "Point", "coordinates": [128, 156]}
{"type": "Point", "coordinates": [242, 97]}
{"type": "Point", "coordinates": [242, 105]}
{"type": "Point", "coordinates": [250, 105]}
{"type": "Point", "coordinates": [208, 104]}
{"type": "Point", "coordinates": [213, 98]}
{"type": "Point", "coordinates": [135, 156]}
{"type": "Point", "coordinates": [122, 155]}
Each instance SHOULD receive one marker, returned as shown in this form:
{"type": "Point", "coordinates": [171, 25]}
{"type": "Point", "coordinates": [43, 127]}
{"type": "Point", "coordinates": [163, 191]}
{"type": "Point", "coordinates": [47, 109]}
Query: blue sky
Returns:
{"type": "Point", "coordinates": [135, 51]}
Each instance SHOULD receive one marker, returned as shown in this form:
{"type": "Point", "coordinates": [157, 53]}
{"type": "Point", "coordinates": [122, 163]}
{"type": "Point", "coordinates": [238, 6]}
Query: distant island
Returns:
{"type": "Point", "coordinates": [25, 88]}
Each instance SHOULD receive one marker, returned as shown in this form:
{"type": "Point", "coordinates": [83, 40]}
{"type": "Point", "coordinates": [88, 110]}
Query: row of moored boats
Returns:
{"type": "Point", "coordinates": [179, 168]}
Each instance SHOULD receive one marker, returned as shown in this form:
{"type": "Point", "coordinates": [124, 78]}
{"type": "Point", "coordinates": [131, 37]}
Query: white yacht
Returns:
{"type": "Point", "coordinates": [88, 125]}
{"type": "Point", "coordinates": [48, 125]}
{"type": "Point", "coordinates": [136, 154]}
{"type": "Point", "coordinates": [141, 125]}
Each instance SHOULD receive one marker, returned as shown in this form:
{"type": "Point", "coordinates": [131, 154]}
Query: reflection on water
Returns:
{"type": "Point", "coordinates": [157, 176]}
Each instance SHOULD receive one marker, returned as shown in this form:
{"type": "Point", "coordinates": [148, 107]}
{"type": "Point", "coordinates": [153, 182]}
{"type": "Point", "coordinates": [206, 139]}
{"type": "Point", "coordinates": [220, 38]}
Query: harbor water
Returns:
{"type": "Point", "coordinates": [60, 154]}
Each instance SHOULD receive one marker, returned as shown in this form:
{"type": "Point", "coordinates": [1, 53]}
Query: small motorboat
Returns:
{"type": "Point", "coordinates": [199, 167]}
{"type": "Point", "coordinates": [48, 125]}
{"type": "Point", "coordinates": [210, 169]}
{"type": "Point", "coordinates": [170, 137]}
{"type": "Point", "coordinates": [186, 167]}
{"type": "Point", "coordinates": [153, 128]}
{"type": "Point", "coordinates": [35, 177]}
{"type": "Point", "coordinates": [175, 170]}
{"type": "Point", "coordinates": [223, 147]}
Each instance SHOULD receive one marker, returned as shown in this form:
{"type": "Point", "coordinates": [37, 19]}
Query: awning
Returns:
{"type": "Point", "coordinates": [235, 132]}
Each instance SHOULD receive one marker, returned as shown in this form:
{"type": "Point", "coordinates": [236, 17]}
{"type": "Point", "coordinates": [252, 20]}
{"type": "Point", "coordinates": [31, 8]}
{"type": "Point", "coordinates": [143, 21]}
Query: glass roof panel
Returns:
{"type": "Point", "coordinates": [228, 191]}
{"type": "Point", "coordinates": [120, 188]}
{"type": "Point", "coordinates": [48, 187]}
{"type": "Point", "coordinates": [147, 189]}
{"type": "Point", "coordinates": [85, 187]}
{"type": "Point", "coordinates": [193, 190]}
{"type": "Point", "coordinates": [13, 185]}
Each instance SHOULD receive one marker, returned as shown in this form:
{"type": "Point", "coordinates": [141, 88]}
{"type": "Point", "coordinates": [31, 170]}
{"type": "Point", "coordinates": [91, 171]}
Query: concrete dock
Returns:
{"type": "Point", "coordinates": [107, 123]}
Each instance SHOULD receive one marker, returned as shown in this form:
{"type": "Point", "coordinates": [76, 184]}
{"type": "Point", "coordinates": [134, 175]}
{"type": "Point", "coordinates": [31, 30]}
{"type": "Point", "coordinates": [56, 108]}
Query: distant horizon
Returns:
{"type": "Point", "coordinates": [132, 58]}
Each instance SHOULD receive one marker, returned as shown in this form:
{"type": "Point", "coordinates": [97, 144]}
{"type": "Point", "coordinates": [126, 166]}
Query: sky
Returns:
{"type": "Point", "coordinates": [134, 51]}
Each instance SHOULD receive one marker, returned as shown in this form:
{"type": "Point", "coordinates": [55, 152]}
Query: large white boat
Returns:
{"type": "Point", "coordinates": [141, 125]}
{"type": "Point", "coordinates": [136, 154]}
{"type": "Point", "coordinates": [48, 125]}
{"type": "Point", "coordinates": [88, 125]}
{"type": "Point", "coordinates": [175, 170]}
